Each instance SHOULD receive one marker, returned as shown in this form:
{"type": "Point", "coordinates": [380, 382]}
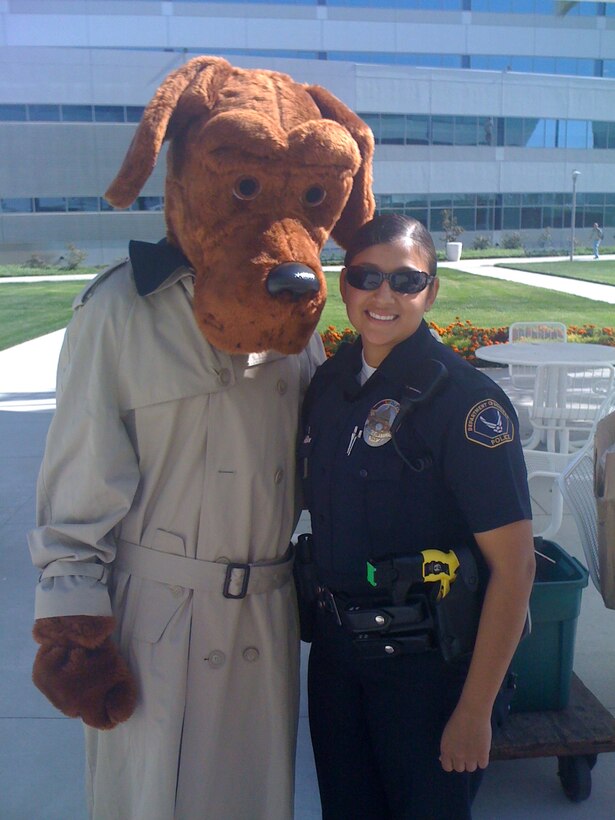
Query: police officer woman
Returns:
{"type": "Point", "coordinates": [398, 731]}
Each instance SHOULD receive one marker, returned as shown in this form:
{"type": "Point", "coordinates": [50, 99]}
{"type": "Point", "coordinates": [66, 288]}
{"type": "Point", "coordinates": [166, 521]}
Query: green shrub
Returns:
{"type": "Point", "coordinates": [74, 257]}
{"type": "Point", "coordinates": [480, 243]}
{"type": "Point", "coordinates": [464, 337]}
{"type": "Point", "coordinates": [452, 229]}
{"type": "Point", "coordinates": [511, 240]}
{"type": "Point", "coordinates": [37, 260]}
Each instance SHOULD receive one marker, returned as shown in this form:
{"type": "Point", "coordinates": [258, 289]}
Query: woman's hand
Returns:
{"type": "Point", "coordinates": [466, 741]}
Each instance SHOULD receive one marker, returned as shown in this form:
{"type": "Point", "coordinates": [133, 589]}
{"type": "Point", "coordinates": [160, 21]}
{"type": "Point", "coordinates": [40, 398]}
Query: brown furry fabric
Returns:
{"type": "Point", "coordinates": [227, 124]}
{"type": "Point", "coordinates": [81, 671]}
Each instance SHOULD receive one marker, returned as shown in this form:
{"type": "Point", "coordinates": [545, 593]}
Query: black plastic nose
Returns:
{"type": "Point", "coordinates": [293, 278]}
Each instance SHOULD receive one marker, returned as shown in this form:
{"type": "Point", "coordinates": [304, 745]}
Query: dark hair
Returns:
{"type": "Point", "coordinates": [388, 228]}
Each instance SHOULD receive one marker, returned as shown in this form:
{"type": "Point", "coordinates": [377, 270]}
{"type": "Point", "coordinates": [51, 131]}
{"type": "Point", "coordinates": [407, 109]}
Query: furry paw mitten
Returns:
{"type": "Point", "coordinates": [80, 670]}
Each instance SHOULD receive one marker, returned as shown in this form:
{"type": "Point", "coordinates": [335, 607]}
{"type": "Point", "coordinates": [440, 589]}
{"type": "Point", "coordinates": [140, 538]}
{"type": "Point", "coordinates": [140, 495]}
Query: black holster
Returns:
{"type": "Point", "coordinates": [457, 614]}
{"type": "Point", "coordinates": [304, 572]}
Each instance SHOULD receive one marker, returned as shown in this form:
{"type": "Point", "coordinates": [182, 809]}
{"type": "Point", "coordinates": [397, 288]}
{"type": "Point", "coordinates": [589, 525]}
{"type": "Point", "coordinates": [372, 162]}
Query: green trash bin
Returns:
{"type": "Point", "coordinates": [543, 661]}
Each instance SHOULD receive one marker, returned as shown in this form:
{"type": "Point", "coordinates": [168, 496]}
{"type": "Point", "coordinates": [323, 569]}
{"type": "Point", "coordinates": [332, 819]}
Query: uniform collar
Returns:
{"type": "Point", "coordinates": [402, 360]}
{"type": "Point", "coordinates": [402, 366]}
{"type": "Point", "coordinates": [156, 266]}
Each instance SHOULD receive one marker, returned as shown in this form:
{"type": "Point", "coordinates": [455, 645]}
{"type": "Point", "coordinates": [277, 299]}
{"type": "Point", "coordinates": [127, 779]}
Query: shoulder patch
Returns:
{"type": "Point", "coordinates": [488, 424]}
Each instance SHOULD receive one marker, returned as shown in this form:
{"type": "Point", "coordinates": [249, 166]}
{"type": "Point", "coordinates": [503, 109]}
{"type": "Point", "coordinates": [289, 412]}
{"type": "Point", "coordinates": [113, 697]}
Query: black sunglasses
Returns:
{"type": "Point", "coordinates": [402, 280]}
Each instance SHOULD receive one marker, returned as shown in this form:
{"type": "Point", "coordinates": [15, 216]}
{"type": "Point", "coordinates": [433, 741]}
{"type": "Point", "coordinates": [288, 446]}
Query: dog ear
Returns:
{"type": "Point", "coordinates": [360, 206]}
{"type": "Point", "coordinates": [196, 84]}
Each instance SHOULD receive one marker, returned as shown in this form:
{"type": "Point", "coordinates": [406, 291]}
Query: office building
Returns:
{"type": "Point", "coordinates": [482, 107]}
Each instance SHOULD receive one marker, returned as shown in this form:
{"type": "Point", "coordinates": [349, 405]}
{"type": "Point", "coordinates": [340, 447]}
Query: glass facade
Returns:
{"type": "Point", "coordinates": [70, 113]}
{"type": "Point", "coordinates": [481, 212]}
{"type": "Point", "coordinates": [73, 204]}
{"type": "Point", "coordinates": [388, 129]}
{"type": "Point", "coordinates": [502, 212]}
{"type": "Point", "coordinates": [547, 7]}
{"type": "Point", "coordinates": [521, 132]}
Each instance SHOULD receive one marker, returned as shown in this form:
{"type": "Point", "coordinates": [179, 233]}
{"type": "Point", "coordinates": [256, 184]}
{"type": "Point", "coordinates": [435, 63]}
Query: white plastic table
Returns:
{"type": "Point", "coordinates": [531, 354]}
{"type": "Point", "coordinates": [556, 357]}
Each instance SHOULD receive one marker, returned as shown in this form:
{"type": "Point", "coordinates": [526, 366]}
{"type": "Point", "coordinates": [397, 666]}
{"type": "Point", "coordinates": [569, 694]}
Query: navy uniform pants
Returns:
{"type": "Point", "coordinates": [376, 727]}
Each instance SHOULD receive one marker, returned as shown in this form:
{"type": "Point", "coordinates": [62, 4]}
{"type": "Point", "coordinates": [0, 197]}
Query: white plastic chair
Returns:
{"type": "Point", "coordinates": [522, 376]}
{"type": "Point", "coordinates": [549, 464]}
{"type": "Point", "coordinates": [576, 486]}
{"type": "Point", "coordinates": [537, 331]}
{"type": "Point", "coordinates": [568, 401]}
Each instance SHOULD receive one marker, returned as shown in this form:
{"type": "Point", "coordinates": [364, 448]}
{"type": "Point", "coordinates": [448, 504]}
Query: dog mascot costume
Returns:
{"type": "Point", "coordinates": [166, 614]}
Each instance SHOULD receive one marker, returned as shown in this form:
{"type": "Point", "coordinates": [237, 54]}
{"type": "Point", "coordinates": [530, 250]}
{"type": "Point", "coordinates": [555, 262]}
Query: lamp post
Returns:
{"type": "Point", "coordinates": [575, 175]}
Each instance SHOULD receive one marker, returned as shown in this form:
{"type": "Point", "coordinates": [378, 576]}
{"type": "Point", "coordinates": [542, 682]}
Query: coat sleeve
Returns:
{"type": "Point", "coordinates": [89, 473]}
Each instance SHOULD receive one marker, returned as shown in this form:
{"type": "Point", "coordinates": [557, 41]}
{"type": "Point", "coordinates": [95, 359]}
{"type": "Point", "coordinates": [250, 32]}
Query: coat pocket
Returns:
{"type": "Point", "coordinates": [156, 606]}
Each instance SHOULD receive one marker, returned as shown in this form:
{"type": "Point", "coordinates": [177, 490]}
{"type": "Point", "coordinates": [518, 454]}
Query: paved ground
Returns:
{"type": "Point", "coordinates": [576, 287]}
{"type": "Point", "coordinates": [41, 757]}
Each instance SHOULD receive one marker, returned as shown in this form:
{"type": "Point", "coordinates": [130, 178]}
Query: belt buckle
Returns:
{"type": "Point", "coordinates": [229, 577]}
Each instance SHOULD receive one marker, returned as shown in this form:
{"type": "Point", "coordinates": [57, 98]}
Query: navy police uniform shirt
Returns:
{"type": "Point", "coordinates": [467, 470]}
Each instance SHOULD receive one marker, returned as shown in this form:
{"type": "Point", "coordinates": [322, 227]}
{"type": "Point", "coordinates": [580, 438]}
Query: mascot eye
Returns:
{"type": "Point", "coordinates": [246, 188]}
{"type": "Point", "coordinates": [314, 196]}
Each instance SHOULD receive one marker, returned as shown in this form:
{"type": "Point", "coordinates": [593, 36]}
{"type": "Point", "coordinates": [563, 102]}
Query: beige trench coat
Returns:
{"type": "Point", "coordinates": [164, 450]}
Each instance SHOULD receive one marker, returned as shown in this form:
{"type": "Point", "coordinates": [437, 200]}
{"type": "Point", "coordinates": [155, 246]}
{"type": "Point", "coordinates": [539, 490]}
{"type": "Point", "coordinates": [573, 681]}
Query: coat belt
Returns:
{"type": "Point", "coordinates": [233, 580]}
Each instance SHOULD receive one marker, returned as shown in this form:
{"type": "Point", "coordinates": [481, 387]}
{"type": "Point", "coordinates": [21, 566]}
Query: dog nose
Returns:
{"type": "Point", "coordinates": [293, 278]}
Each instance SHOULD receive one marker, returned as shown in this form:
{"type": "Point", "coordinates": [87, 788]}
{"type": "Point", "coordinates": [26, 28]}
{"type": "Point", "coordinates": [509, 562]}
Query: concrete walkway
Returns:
{"type": "Point", "coordinates": [41, 752]}
{"type": "Point", "coordinates": [576, 287]}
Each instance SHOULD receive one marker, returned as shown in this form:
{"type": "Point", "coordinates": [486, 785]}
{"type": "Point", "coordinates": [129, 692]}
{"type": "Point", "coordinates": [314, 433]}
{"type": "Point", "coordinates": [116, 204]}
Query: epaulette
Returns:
{"type": "Point", "coordinates": [87, 292]}
{"type": "Point", "coordinates": [338, 361]}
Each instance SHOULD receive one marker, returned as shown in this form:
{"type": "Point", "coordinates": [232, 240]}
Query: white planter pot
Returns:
{"type": "Point", "coordinates": [453, 251]}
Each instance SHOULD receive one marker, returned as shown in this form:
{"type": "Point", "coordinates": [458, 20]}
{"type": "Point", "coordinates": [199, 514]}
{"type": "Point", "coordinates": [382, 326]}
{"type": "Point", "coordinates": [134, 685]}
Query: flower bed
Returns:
{"type": "Point", "coordinates": [464, 337]}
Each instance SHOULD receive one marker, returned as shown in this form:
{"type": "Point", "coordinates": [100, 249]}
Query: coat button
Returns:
{"type": "Point", "coordinates": [251, 654]}
{"type": "Point", "coordinates": [176, 591]}
{"type": "Point", "coordinates": [224, 376]}
{"type": "Point", "coordinates": [216, 658]}
{"type": "Point", "coordinates": [279, 475]}
{"type": "Point", "coordinates": [281, 387]}
{"type": "Point", "coordinates": [363, 473]}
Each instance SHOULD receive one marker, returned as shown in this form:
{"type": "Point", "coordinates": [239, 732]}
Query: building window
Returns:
{"type": "Point", "coordinates": [109, 113]}
{"type": "Point", "coordinates": [16, 205]}
{"type": "Point", "coordinates": [393, 129]}
{"type": "Point", "coordinates": [134, 113]}
{"type": "Point", "coordinates": [82, 203]}
{"type": "Point", "coordinates": [50, 204]}
{"type": "Point", "coordinates": [13, 113]}
{"type": "Point", "coordinates": [77, 113]}
{"type": "Point", "coordinates": [44, 113]}
{"type": "Point", "coordinates": [149, 203]}
{"type": "Point", "coordinates": [417, 130]}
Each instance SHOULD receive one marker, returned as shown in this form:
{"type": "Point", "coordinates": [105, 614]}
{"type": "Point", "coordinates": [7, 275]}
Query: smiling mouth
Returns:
{"type": "Point", "coordinates": [380, 318]}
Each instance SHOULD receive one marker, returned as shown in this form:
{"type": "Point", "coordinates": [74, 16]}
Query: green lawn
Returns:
{"type": "Point", "coordinates": [489, 303]}
{"type": "Point", "coordinates": [31, 310]}
{"type": "Point", "coordinates": [20, 270]}
{"type": "Point", "coordinates": [601, 272]}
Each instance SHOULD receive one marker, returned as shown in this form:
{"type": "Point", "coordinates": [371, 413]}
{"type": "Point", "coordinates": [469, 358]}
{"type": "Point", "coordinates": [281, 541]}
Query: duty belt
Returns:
{"type": "Point", "coordinates": [382, 630]}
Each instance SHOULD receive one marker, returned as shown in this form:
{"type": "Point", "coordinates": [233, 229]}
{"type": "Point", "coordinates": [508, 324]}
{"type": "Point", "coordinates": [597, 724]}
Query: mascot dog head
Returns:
{"type": "Point", "coordinates": [260, 171]}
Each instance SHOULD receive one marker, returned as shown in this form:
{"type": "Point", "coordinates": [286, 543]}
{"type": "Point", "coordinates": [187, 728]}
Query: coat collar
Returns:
{"type": "Point", "coordinates": [156, 266]}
